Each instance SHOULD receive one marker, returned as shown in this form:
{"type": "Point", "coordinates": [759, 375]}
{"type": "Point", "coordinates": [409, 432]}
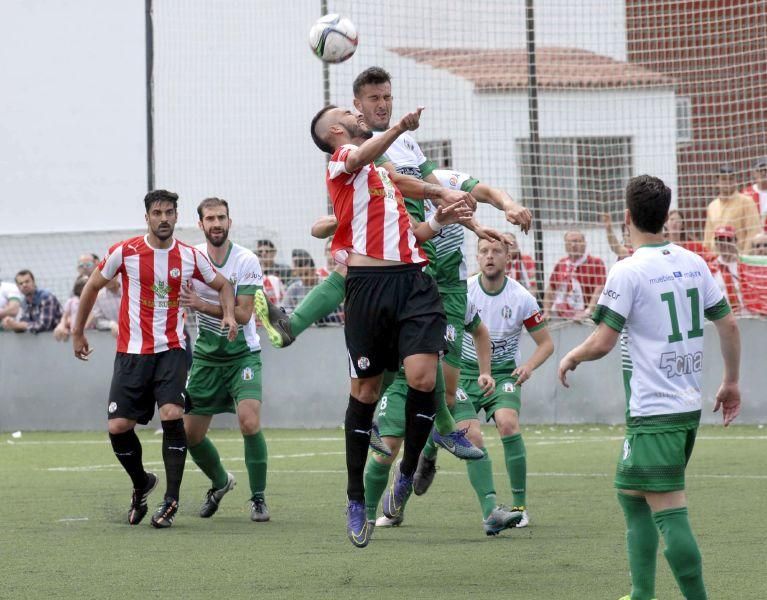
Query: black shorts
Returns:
{"type": "Point", "coordinates": [391, 313]}
{"type": "Point", "coordinates": [142, 380]}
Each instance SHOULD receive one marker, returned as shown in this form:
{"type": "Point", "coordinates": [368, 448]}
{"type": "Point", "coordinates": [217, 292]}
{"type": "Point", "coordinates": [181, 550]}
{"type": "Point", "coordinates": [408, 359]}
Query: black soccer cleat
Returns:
{"type": "Point", "coordinates": [138, 507]}
{"type": "Point", "coordinates": [213, 497]}
{"type": "Point", "coordinates": [274, 320]}
{"type": "Point", "coordinates": [259, 512]}
{"type": "Point", "coordinates": [165, 513]}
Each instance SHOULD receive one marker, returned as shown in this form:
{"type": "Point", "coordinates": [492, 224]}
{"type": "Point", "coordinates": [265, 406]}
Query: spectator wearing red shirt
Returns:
{"type": "Point", "coordinates": [724, 267]}
{"type": "Point", "coordinates": [575, 283]}
{"type": "Point", "coordinates": [676, 233]}
{"type": "Point", "coordinates": [757, 191]}
{"type": "Point", "coordinates": [520, 267]}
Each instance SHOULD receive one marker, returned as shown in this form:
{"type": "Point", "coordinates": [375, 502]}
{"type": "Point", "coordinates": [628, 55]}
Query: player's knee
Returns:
{"type": "Point", "coordinates": [423, 381]}
{"type": "Point", "coordinates": [474, 434]}
{"type": "Point", "coordinates": [118, 426]}
{"type": "Point", "coordinates": [384, 460]}
{"type": "Point", "coordinates": [171, 412]}
{"type": "Point", "coordinates": [249, 424]}
{"type": "Point", "coordinates": [507, 427]}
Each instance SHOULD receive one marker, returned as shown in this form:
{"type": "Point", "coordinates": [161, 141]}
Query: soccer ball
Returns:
{"type": "Point", "coordinates": [333, 38]}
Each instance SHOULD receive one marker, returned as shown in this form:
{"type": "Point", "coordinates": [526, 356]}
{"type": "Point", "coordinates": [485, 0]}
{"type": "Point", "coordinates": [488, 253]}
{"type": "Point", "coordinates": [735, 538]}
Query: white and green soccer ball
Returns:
{"type": "Point", "coordinates": [333, 38]}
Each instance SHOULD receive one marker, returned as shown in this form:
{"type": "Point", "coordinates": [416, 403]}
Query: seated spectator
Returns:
{"type": "Point", "coordinates": [733, 209]}
{"type": "Point", "coordinates": [69, 312]}
{"type": "Point", "coordinates": [575, 283]}
{"type": "Point", "coordinates": [266, 252]}
{"type": "Point", "coordinates": [676, 233]}
{"type": "Point", "coordinates": [724, 266]}
{"type": "Point", "coordinates": [42, 310]}
{"type": "Point", "coordinates": [623, 248]}
{"type": "Point", "coordinates": [86, 264]}
{"type": "Point", "coordinates": [10, 301]}
{"type": "Point", "coordinates": [304, 279]}
{"type": "Point", "coordinates": [753, 276]}
{"type": "Point", "coordinates": [520, 267]}
{"type": "Point", "coordinates": [106, 310]}
{"type": "Point", "coordinates": [757, 191]}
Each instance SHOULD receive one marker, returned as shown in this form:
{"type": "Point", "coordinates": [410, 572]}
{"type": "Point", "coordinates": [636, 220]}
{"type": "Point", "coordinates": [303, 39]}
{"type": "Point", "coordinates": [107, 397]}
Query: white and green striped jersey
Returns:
{"type": "Point", "coordinates": [242, 269]}
{"type": "Point", "coordinates": [449, 265]}
{"type": "Point", "coordinates": [657, 298]}
{"type": "Point", "coordinates": [504, 313]}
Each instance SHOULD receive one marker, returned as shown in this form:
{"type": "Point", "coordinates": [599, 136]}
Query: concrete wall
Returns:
{"type": "Point", "coordinates": [43, 387]}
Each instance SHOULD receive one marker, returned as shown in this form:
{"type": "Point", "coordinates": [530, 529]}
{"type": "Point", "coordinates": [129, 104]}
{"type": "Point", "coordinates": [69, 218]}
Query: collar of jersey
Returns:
{"type": "Point", "coordinates": [658, 245]}
{"type": "Point", "coordinates": [226, 258]}
{"type": "Point", "coordinates": [482, 287]}
{"type": "Point", "coordinates": [168, 249]}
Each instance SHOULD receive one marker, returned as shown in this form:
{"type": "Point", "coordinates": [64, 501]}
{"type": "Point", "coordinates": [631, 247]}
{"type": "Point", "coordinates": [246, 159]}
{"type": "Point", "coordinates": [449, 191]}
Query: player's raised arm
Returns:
{"type": "Point", "coordinates": [455, 213]}
{"type": "Point", "coordinates": [420, 189]}
{"type": "Point", "coordinates": [376, 146]}
{"type": "Point", "coordinates": [243, 305]}
{"type": "Point", "coordinates": [515, 213]}
{"type": "Point", "coordinates": [87, 299]}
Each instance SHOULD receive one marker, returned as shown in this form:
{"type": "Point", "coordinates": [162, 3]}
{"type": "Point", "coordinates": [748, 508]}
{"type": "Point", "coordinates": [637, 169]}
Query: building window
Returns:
{"type": "Point", "coordinates": [438, 151]}
{"type": "Point", "coordinates": [683, 120]}
{"type": "Point", "coordinates": [579, 178]}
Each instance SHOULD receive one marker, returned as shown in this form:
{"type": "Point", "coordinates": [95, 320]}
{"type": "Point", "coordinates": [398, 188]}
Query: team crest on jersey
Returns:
{"type": "Point", "coordinates": [508, 387]}
{"type": "Point", "coordinates": [175, 272]}
{"type": "Point", "coordinates": [247, 374]}
{"type": "Point", "coordinates": [460, 395]}
{"type": "Point", "coordinates": [161, 289]}
{"type": "Point", "coordinates": [506, 312]}
{"type": "Point", "coordinates": [112, 407]}
{"type": "Point", "coordinates": [450, 333]}
{"type": "Point", "coordinates": [626, 449]}
{"type": "Point", "coordinates": [363, 362]}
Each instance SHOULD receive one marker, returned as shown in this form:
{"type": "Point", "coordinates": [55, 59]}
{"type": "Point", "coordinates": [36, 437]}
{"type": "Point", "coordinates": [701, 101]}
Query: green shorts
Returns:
{"type": "Point", "coordinates": [654, 462]}
{"type": "Point", "coordinates": [455, 311]}
{"type": "Point", "coordinates": [390, 413]}
{"type": "Point", "coordinates": [469, 399]}
{"type": "Point", "coordinates": [216, 389]}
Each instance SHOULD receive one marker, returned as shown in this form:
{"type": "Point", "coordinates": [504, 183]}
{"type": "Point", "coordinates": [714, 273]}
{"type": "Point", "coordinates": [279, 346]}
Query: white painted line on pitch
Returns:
{"type": "Point", "coordinates": [70, 519]}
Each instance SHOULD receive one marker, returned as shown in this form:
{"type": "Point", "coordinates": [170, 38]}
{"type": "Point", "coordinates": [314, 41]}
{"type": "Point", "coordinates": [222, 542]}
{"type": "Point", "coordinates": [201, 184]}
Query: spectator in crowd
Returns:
{"type": "Point", "coordinates": [69, 312]}
{"type": "Point", "coordinates": [724, 266]}
{"type": "Point", "coordinates": [731, 208]}
{"type": "Point", "coordinates": [10, 301]}
{"type": "Point", "coordinates": [753, 276]}
{"type": "Point", "coordinates": [107, 307]}
{"type": "Point", "coordinates": [757, 191]}
{"type": "Point", "coordinates": [676, 233]}
{"type": "Point", "coordinates": [520, 267]}
{"type": "Point", "coordinates": [86, 264]}
{"type": "Point", "coordinates": [274, 274]}
{"type": "Point", "coordinates": [622, 248]}
{"type": "Point", "coordinates": [304, 278]}
{"type": "Point", "coordinates": [42, 310]}
{"type": "Point", "coordinates": [759, 245]}
{"type": "Point", "coordinates": [575, 283]}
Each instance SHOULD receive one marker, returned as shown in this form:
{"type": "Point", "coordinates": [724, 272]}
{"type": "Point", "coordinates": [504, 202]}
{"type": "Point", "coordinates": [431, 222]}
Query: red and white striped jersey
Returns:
{"type": "Point", "coordinates": [371, 214]}
{"type": "Point", "coordinates": [151, 319]}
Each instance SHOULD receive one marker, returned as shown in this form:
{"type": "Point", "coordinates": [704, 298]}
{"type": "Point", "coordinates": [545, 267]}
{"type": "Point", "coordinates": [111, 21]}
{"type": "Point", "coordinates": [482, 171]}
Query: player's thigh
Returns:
{"type": "Point", "coordinates": [654, 462]}
{"type": "Point", "coordinates": [207, 389]}
{"type": "Point", "coordinates": [506, 421]}
{"type": "Point", "coordinates": [421, 371]}
{"type": "Point", "coordinates": [169, 380]}
{"type": "Point", "coordinates": [507, 395]}
{"type": "Point", "coordinates": [452, 375]}
{"type": "Point", "coordinates": [244, 386]}
{"type": "Point", "coordinates": [366, 389]}
{"type": "Point", "coordinates": [390, 413]}
{"type": "Point", "coordinates": [464, 409]}
{"type": "Point", "coordinates": [196, 428]}
{"type": "Point", "coordinates": [421, 318]}
{"type": "Point", "coordinates": [131, 390]}
{"type": "Point", "coordinates": [249, 416]}
{"type": "Point", "coordinates": [455, 314]}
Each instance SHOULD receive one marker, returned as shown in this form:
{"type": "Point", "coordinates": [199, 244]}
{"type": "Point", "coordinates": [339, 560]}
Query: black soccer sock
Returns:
{"type": "Point", "coordinates": [357, 425]}
{"type": "Point", "coordinates": [420, 409]}
{"type": "Point", "coordinates": [127, 449]}
{"type": "Point", "coordinates": [173, 455]}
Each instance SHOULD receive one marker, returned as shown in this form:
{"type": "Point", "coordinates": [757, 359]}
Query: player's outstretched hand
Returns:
{"type": "Point", "coordinates": [522, 373]}
{"type": "Point", "coordinates": [568, 363]}
{"type": "Point", "coordinates": [411, 120]}
{"type": "Point", "coordinates": [81, 347]}
{"type": "Point", "coordinates": [489, 234]}
{"type": "Point", "coordinates": [455, 213]}
{"type": "Point", "coordinates": [516, 214]}
{"type": "Point", "coordinates": [228, 323]}
{"type": "Point", "coordinates": [486, 384]}
{"type": "Point", "coordinates": [448, 197]}
{"type": "Point", "coordinates": [728, 399]}
{"type": "Point", "coordinates": [187, 297]}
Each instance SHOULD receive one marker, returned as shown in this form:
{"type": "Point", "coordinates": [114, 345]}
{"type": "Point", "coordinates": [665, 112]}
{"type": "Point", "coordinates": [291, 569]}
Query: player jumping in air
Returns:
{"type": "Point", "coordinates": [655, 301]}
{"type": "Point", "coordinates": [226, 376]}
{"type": "Point", "coordinates": [150, 364]}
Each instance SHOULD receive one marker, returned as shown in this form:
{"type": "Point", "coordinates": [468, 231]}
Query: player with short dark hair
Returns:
{"type": "Point", "coordinates": [150, 364]}
{"type": "Point", "coordinates": [655, 301]}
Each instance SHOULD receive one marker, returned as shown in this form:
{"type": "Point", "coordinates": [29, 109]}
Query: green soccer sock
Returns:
{"type": "Point", "coordinates": [642, 545]}
{"type": "Point", "coordinates": [376, 480]}
{"type": "Point", "coordinates": [322, 300]}
{"type": "Point", "coordinates": [444, 422]}
{"type": "Point", "coordinates": [516, 466]}
{"type": "Point", "coordinates": [206, 457]}
{"type": "Point", "coordinates": [430, 449]}
{"type": "Point", "coordinates": [255, 462]}
{"type": "Point", "coordinates": [682, 552]}
{"type": "Point", "coordinates": [481, 478]}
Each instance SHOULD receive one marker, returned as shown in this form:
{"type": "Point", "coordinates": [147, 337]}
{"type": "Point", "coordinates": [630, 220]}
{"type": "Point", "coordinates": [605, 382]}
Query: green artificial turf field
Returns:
{"type": "Point", "coordinates": [65, 500]}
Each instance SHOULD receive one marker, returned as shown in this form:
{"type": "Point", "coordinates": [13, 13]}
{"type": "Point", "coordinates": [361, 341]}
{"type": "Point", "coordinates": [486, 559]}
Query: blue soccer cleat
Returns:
{"type": "Point", "coordinates": [376, 443]}
{"type": "Point", "coordinates": [395, 497]}
{"type": "Point", "coordinates": [457, 444]}
{"type": "Point", "coordinates": [358, 528]}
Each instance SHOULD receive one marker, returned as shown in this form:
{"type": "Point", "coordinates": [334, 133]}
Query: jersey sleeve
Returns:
{"type": "Point", "coordinates": [471, 319]}
{"type": "Point", "coordinates": [251, 278]}
{"type": "Point", "coordinates": [425, 165]}
{"type": "Point", "coordinates": [203, 271]}
{"type": "Point", "coordinates": [715, 305]}
{"type": "Point", "coordinates": [381, 160]}
{"type": "Point", "coordinates": [533, 319]}
{"type": "Point", "coordinates": [112, 263]}
{"type": "Point", "coordinates": [616, 299]}
{"type": "Point", "coordinates": [337, 164]}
